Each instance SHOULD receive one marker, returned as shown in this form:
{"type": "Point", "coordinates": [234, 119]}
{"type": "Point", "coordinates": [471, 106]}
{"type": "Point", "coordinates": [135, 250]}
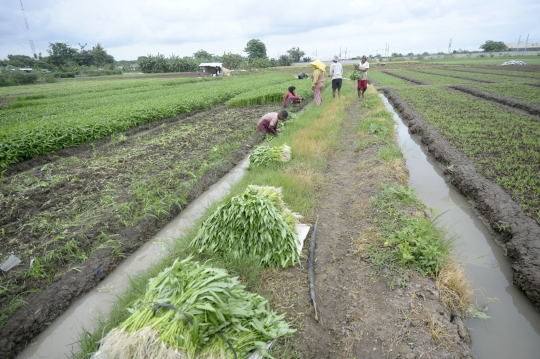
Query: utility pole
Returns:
{"type": "Point", "coordinates": [526, 44]}
{"type": "Point", "coordinates": [345, 53]}
{"type": "Point", "coordinates": [519, 42]}
{"type": "Point", "coordinates": [450, 46]}
{"type": "Point", "coordinates": [340, 52]}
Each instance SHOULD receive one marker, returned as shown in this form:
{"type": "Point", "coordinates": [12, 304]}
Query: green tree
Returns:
{"type": "Point", "coordinates": [284, 60]}
{"type": "Point", "coordinates": [232, 61]}
{"type": "Point", "coordinates": [296, 54]}
{"type": "Point", "coordinates": [20, 61]}
{"type": "Point", "coordinates": [60, 54]}
{"type": "Point", "coordinates": [203, 56]}
{"type": "Point", "coordinates": [490, 45]}
{"type": "Point", "coordinates": [255, 49]}
{"type": "Point", "coordinates": [100, 56]}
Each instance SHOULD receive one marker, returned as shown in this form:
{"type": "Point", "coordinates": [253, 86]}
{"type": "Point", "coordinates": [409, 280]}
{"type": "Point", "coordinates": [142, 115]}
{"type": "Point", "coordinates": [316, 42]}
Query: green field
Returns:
{"type": "Point", "coordinates": [496, 60]}
{"type": "Point", "coordinates": [504, 145]}
{"type": "Point", "coordinates": [41, 119]}
{"type": "Point", "coordinates": [500, 77]}
{"type": "Point", "coordinates": [515, 91]}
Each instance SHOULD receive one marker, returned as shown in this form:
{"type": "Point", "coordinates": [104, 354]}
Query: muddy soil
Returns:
{"type": "Point", "coordinates": [530, 108]}
{"type": "Point", "coordinates": [187, 153]}
{"type": "Point", "coordinates": [414, 81]}
{"type": "Point", "coordinates": [359, 315]}
{"type": "Point", "coordinates": [518, 233]}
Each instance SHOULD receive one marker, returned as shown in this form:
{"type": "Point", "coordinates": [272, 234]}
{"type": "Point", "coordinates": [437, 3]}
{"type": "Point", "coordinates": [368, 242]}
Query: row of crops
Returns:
{"type": "Point", "coordinates": [60, 117]}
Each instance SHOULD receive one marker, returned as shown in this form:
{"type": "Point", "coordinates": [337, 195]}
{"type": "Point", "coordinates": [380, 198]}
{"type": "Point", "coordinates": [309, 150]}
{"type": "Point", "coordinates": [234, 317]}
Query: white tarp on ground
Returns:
{"type": "Point", "coordinates": [302, 230]}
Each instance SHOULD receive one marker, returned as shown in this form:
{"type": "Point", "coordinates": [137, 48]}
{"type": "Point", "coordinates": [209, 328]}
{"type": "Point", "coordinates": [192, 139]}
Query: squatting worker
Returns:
{"type": "Point", "coordinates": [363, 66]}
{"type": "Point", "coordinates": [291, 97]}
{"type": "Point", "coordinates": [269, 122]}
{"type": "Point", "coordinates": [336, 71]}
{"type": "Point", "coordinates": [302, 75]}
{"type": "Point", "coordinates": [317, 79]}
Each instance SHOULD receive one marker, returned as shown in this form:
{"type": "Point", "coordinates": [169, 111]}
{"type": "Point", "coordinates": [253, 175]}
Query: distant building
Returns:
{"type": "Point", "coordinates": [531, 46]}
{"type": "Point", "coordinates": [213, 69]}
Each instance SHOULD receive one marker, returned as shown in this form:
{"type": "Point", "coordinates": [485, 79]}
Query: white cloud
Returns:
{"type": "Point", "coordinates": [128, 29]}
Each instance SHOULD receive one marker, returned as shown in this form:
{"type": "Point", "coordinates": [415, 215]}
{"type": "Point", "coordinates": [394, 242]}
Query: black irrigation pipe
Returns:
{"type": "Point", "coordinates": [311, 270]}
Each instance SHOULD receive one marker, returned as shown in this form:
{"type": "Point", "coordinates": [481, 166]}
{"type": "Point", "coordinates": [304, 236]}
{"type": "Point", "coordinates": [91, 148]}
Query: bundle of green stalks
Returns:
{"type": "Point", "coordinates": [263, 155]}
{"type": "Point", "coordinates": [356, 75]}
{"type": "Point", "coordinates": [195, 311]}
{"type": "Point", "coordinates": [255, 224]}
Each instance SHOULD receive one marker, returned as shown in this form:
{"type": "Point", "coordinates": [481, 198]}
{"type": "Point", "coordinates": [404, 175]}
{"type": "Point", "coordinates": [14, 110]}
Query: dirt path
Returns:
{"type": "Point", "coordinates": [360, 316]}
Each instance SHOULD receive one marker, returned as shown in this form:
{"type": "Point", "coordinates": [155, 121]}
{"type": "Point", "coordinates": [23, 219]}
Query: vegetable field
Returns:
{"type": "Point", "coordinates": [72, 220]}
{"type": "Point", "coordinates": [37, 124]}
{"type": "Point", "coordinates": [503, 144]}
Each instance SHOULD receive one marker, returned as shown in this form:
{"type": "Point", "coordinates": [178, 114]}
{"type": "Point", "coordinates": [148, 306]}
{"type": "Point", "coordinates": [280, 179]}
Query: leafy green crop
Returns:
{"type": "Point", "coordinates": [38, 125]}
{"type": "Point", "coordinates": [253, 224]}
{"type": "Point", "coordinates": [503, 145]}
{"type": "Point", "coordinates": [263, 155]}
{"type": "Point", "coordinates": [192, 310]}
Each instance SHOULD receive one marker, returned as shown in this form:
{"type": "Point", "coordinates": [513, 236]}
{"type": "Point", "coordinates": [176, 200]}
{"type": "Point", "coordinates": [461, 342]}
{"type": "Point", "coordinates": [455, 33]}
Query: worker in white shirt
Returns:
{"type": "Point", "coordinates": [336, 71]}
{"type": "Point", "coordinates": [363, 66]}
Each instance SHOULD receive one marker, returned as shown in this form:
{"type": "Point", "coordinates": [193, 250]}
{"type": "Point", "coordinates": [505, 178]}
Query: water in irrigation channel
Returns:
{"type": "Point", "coordinates": [513, 331]}
{"type": "Point", "coordinates": [59, 339]}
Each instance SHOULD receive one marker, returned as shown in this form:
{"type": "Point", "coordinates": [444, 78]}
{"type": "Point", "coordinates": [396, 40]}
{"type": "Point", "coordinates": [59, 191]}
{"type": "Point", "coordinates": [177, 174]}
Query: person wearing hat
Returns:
{"type": "Point", "coordinates": [317, 80]}
{"type": "Point", "coordinates": [363, 67]}
{"type": "Point", "coordinates": [291, 97]}
{"type": "Point", "coordinates": [302, 75]}
{"type": "Point", "coordinates": [336, 71]}
{"type": "Point", "coordinates": [269, 122]}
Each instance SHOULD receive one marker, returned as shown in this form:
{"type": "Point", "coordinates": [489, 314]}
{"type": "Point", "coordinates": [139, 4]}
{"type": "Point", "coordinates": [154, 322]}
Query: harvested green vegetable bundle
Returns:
{"type": "Point", "coordinates": [263, 155]}
{"type": "Point", "coordinates": [356, 75]}
{"type": "Point", "coordinates": [252, 224]}
{"type": "Point", "coordinates": [195, 311]}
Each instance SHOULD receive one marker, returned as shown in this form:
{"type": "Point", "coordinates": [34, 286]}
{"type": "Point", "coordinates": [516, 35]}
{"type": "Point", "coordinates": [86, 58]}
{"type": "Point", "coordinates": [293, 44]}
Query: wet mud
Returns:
{"type": "Point", "coordinates": [518, 233]}
{"type": "Point", "coordinates": [530, 108]}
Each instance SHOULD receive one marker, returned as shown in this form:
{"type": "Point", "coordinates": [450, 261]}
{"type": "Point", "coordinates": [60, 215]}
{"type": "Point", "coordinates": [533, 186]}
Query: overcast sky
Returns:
{"type": "Point", "coordinates": [128, 29]}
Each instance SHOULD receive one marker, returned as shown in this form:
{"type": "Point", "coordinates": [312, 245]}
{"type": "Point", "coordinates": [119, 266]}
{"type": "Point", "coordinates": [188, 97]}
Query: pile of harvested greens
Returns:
{"type": "Point", "coordinates": [356, 75]}
{"type": "Point", "coordinates": [263, 155]}
{"type": "Point", "coordinates": [195, 311]}
{"type": "Point", "coordinates": [254, 224]}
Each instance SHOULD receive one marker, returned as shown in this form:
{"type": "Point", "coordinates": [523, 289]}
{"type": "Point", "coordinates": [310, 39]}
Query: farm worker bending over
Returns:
{"type": "Point", "coordinates": [336, 71]}
{"type": "Point", "coordinates": [291, 97]}
{"type": "Point", "coordinates": [268, 123]}
{"type": "Point", "coordinates": [363, 66]}
{"type": "Point", "coordinates": [317, 79]}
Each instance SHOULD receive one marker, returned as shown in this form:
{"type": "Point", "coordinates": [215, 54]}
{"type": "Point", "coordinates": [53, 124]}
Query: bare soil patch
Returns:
{"type": "Point", "coordinates": [519, 234]}
{"type": "Point", "coordinates": [359, 315]}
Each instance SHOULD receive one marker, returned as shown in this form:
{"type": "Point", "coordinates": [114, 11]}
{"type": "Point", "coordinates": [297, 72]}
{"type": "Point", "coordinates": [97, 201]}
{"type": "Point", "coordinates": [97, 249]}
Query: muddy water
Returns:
{"type": "Point", "coordinates": [514, 328]}
{"type": "Point", "coordinates": [58, 340]}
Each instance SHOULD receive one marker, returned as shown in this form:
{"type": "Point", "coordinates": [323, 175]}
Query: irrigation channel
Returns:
{"type": "Point", "coordinates": [513, 331]}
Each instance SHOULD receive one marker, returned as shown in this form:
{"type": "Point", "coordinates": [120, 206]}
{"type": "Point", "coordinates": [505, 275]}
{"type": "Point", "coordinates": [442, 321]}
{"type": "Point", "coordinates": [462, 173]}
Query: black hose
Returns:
{"type": "Point", "coordinates": [311, 269]}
